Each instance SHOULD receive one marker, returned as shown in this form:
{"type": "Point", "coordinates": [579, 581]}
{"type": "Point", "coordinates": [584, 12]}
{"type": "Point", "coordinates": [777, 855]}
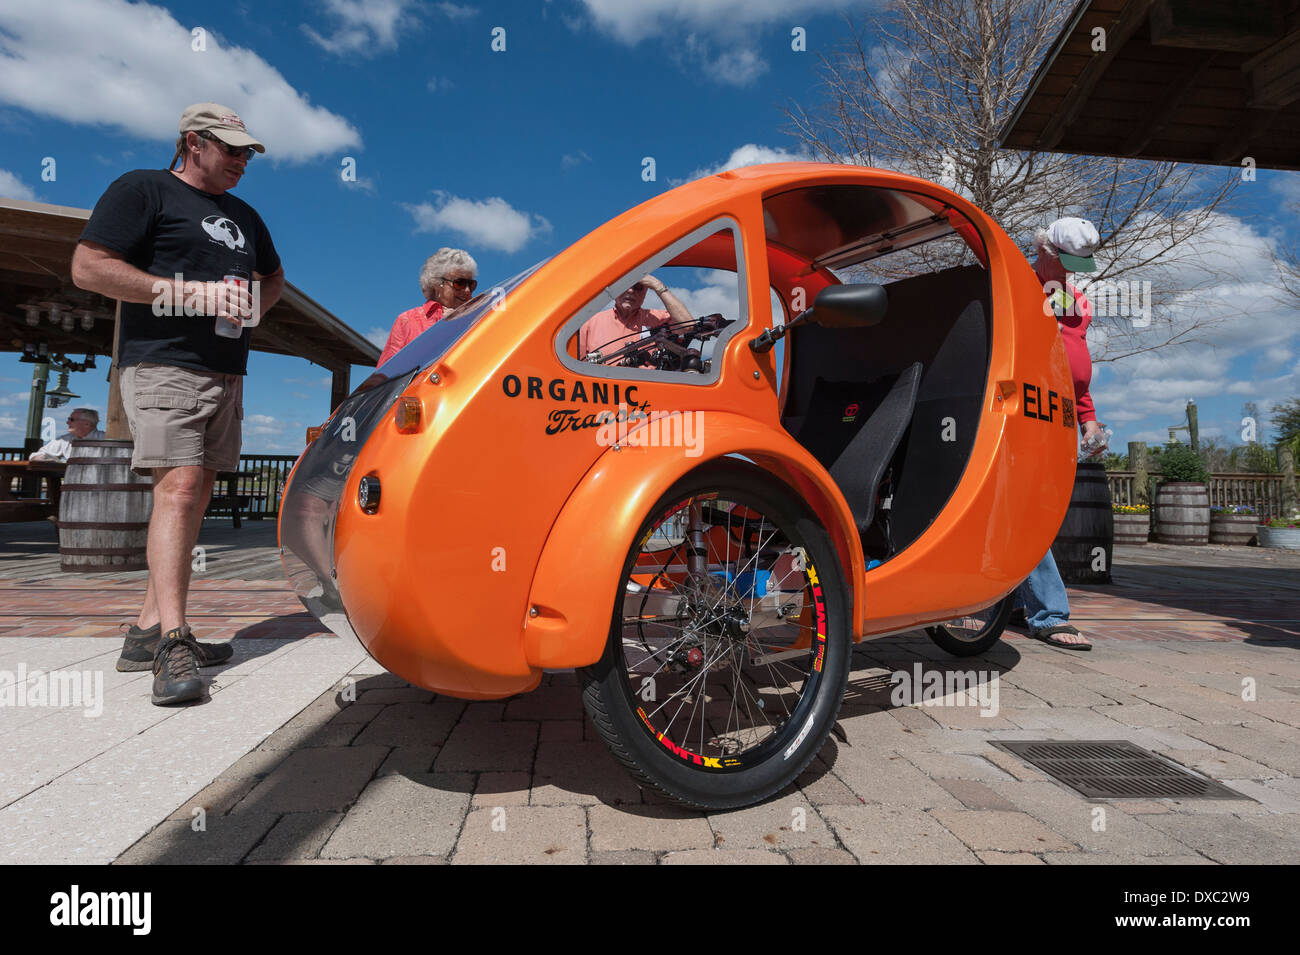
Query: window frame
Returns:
{"type": "Point", "coordinates": [600, 303]}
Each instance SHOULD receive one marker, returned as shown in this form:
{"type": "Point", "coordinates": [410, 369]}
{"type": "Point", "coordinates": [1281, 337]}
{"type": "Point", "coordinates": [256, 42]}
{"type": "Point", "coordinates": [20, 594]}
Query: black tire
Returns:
{"type": "Point", "coordinates": [689, 636]}
{"type": "Point", "coordinates": [972, 635]}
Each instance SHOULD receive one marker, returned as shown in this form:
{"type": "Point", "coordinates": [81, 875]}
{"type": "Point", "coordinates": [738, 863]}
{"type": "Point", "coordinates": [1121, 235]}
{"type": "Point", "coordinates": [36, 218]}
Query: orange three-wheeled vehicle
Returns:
{"type": "Point", "coordinates": [694, 456]}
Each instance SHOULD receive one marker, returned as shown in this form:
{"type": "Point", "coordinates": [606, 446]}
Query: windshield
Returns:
{"type": "Point", "coordinates": [431, 344]}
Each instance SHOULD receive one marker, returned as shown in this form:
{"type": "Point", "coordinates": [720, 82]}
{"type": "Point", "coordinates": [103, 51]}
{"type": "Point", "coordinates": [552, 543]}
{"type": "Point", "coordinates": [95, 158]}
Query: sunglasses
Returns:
{"type": "Point", "coordinates": [464, 285]}
{"type": "Point", "coordinates": [246, 152]}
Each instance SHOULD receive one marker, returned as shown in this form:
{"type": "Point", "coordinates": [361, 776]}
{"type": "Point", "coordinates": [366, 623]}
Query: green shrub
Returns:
{"type": "Point", "coordinates": [1178, 462]}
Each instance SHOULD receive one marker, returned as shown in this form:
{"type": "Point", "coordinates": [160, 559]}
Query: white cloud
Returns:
{"type": "Point", "coordinates": [456, 11]}
{"type": "Point", "coordinates": [490, 223]}
{"type": "Point", "coordinates": [719, 39]}
{"type": "Point", "coordinates": [570, 160]}
{"type": "Point", "coordinates": [632, 22]}
{"type": "Point", "coordinates": [14, 188]}
{"type": "Point", "coordinates": [378, 336]}
{"type": "Point", "coordinates": [132, 66]}
{"type": "Point", "coordinates": [439, 84]}
{"type": "Point", "coordinates": [261, 425]}
{"type": "Point", "coordinates": [362, 27]}
{"type": "Point", "coordinates": [750, 154]}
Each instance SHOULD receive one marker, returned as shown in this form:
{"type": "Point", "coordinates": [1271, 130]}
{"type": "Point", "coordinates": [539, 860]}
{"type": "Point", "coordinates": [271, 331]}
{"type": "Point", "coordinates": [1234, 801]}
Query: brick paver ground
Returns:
{"type": "Point", "coordinates": [1196, 658]}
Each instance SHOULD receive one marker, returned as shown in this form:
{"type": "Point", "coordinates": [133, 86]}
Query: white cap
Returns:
{"type": "Point", "coordinates": [1075, 240]}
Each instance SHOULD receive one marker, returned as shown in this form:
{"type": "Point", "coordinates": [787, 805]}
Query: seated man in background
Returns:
{"type": "Point", "coordinates": [83, 423]}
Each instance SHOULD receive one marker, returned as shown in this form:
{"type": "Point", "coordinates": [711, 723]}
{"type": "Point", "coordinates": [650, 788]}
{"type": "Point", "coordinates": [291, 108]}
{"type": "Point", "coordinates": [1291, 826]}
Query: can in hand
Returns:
{"type": "Point", "coordinates": [237, 276]}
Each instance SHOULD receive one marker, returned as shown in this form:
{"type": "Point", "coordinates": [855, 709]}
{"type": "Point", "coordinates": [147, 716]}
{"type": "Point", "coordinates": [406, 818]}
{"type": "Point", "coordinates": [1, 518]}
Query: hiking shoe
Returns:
{"type": "Point", "coordinates": [140, 646]}
{"type": "Point", "coordinates": [176, 669]}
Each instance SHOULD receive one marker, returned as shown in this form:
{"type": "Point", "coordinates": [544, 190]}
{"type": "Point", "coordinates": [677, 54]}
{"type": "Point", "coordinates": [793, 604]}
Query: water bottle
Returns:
{"type": "Point", "coordinates": [236, 275]}
{"type": "Point", "coordinates": [1094, 444]}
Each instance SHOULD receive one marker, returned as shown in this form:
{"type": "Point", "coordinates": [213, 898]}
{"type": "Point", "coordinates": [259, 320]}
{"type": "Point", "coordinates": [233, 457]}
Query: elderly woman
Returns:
{"type": "Point", "coordinates": [1065, 246]}
{"type": "Point", "coordinates": [447, 281]}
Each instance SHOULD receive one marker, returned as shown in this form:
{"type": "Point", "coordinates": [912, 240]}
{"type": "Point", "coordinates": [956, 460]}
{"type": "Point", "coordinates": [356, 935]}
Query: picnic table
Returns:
{"type": "Point", "coordinates": [226, 496]}
{"type": "Point", "coordinates": [18, 507]}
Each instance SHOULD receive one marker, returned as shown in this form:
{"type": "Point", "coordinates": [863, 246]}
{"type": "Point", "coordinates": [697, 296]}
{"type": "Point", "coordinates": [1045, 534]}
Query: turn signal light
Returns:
{"type": "Point", "coordinates": [313, 433]}
{"type": "Point", "coordinates": [408, 415]}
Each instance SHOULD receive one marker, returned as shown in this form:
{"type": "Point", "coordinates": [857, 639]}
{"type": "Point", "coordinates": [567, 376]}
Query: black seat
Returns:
{"type": "Point", "coordinates": [853, 428]}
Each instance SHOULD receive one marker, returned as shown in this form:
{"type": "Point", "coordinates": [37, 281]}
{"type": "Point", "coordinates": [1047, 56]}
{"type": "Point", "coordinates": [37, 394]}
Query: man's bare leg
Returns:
{"type": "Point", "coordinates": [180, 496]}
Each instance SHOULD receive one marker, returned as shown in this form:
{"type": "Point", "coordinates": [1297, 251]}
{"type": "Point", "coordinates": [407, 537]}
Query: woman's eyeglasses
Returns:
{"type": "Point", "coordinates": [464, 285]}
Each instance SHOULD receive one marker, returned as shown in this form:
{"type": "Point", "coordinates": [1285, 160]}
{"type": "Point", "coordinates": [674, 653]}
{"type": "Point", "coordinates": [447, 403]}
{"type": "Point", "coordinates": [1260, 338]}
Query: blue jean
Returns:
{"type": "Point", "coordinates": [1043, 596]}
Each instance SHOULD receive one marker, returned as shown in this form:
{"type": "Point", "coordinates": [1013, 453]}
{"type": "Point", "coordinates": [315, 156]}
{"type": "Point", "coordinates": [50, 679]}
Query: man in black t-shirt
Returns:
{"type": "Point", "coordinates": [191, 265]}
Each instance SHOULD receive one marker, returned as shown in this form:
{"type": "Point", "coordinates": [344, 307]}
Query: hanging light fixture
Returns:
{"type": "Point", "coordinates": [56, 312]}
{"type": "Point", "coordinates": [61, 395]}
{"type": "Point", "coordinates": [33, 314]}
{"type": "Point", "coordinates": [87, 318]}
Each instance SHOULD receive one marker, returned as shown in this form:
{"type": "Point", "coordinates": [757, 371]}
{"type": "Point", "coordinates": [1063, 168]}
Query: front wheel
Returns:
{"type": "Point", "coordinates": [728, 651]}
{"type": "Point", "coordinates": [972, 635]}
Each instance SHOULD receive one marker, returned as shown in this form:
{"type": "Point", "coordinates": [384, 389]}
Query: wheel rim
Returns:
{"type": "Point", "coordinates": [973, 627]}
{"type": "Point", "coordinates": [723, 633]}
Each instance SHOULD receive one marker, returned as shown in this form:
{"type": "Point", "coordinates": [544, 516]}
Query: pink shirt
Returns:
{"type": "Point", "coordinates": [606, 331]}
{"type": "Point", "coordinates": [408, 325]}
{"type": "Point", "coordinates": [1074, 332]}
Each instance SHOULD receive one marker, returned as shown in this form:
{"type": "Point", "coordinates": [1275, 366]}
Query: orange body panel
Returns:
{"type": "Point", "coordinates": [497, 548]}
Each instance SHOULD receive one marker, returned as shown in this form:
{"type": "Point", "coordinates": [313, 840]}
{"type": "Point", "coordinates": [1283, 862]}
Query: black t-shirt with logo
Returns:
{"type": "Point", "coordinates": [164, 226]}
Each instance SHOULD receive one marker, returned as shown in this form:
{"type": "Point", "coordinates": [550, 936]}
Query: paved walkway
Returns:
{"type": "Point", "coordinates": [307, 752]}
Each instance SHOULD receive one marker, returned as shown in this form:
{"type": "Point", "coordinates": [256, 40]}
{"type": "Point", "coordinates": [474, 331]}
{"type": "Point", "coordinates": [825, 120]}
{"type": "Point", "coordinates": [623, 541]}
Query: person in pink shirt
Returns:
{"type": "Point", "coordinates": [447, 281]}
{"type": "Point", "coordinates": [614, 328]}
{"type": "Point", "coordinates": [1065, 246]}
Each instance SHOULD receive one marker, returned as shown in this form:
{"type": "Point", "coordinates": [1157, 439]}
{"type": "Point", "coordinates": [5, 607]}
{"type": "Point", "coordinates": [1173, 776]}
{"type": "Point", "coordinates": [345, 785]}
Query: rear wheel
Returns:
{"type": "Point", "coordinates": [973, 634]}
{"type": "Point", "coordinates": [728, 651]}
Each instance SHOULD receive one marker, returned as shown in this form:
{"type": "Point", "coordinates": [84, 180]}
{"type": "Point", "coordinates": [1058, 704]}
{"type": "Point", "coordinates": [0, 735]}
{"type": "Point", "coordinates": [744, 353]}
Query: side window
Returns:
{"type": "Point", "coordinates": [666, 318]}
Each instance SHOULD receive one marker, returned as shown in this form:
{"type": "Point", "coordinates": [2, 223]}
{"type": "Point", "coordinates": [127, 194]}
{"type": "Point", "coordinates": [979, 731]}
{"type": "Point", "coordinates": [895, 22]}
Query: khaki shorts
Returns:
{"type": "Point", "coordinates": [179, 416]}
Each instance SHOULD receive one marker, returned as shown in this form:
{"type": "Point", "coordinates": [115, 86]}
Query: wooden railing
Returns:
{"type": "Point", "coordinates": [266, 483]}
{"type": "Point", "coordinates": [263, 487]}
{"type": "Point", "coordinates": [1263, 492]}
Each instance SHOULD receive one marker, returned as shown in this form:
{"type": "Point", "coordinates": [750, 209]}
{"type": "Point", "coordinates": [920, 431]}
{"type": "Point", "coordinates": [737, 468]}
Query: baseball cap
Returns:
{"type": "Point", "coordinates": [1075, 240]}
{"type": "Point", "coordinates": [221, 121]}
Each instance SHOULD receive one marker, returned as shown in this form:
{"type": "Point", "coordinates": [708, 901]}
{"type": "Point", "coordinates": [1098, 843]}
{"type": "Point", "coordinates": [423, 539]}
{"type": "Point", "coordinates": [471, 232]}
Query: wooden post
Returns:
{"type": "Point", "coordinates": [1286, 464]}
{"type": "Point", "coordinates": [1193, 429]}
{"type": "Point", "coordinates": [115, 425]}
{"type": "Point", "coordinates": [339, 386]}
{"type": "Point", "coordinates": [1137, 463]}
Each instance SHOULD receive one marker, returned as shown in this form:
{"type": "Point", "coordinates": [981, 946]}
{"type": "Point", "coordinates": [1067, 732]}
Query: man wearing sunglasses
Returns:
{"type": "Point", "coordinates": [447, 281]}
{"type": "Point", "coordinates": [83, 423]}
{"type": "Point", "coordinates": [189, 262]}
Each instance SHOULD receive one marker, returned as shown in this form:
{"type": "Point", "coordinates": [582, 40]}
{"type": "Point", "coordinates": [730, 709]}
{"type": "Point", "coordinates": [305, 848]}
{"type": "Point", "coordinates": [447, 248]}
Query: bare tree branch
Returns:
{"type": "Point", "coordinates": [925, 87]}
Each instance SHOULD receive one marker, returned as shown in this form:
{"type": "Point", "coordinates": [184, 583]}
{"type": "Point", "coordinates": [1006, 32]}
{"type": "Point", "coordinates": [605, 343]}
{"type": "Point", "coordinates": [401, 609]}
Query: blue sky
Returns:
{"type": "Point", "coordinates": [510, 154]}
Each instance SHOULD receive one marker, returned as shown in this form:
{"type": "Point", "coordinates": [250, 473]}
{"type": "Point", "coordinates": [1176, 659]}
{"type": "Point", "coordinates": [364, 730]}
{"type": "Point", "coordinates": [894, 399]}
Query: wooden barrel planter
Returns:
{"type": "Point", "coordinates": [1183, 513]}
{"type": "Point", "coordinates": [1132, 528]}
{"type": "Point", "coordinates": [104, 510]}
{"type": "Point", "coordinates": [1084, 544]}
{"type": "Point", "coordinates": [1233, 528]}
{"type": "Point", "coordinates": [1287, 538]}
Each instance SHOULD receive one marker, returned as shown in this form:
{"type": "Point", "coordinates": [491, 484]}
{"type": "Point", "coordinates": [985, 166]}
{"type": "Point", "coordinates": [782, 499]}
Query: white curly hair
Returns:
{"type": "Point", "coordinates": [439, 264]}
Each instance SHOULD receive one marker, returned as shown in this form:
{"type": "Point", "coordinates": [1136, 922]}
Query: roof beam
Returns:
{"type": "Point", "coordinates": [1275, 74]}
{"type": "Point", "coordinates": [1123, 27]}
{"type": "Point", "coordinates": [1170, 101]}
{"type": "Point", "coordinates": [1243, 26]}
{"type": "Point", "coordinates": [1236, 144]}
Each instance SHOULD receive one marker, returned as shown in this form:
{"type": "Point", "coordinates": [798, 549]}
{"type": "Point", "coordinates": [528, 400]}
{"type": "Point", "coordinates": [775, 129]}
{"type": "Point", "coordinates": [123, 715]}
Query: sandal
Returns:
{"type": "Point", "coordinates": [1047, 633]}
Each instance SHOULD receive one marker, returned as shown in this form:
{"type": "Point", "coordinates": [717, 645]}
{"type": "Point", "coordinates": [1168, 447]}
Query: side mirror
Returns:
{"type": "Point", "coordinates": [850, 306]}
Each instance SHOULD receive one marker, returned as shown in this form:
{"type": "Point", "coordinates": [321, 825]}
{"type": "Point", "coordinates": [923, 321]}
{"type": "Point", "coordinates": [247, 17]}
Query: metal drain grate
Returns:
{"type": "Point", "coordinates": [1114, 769]}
